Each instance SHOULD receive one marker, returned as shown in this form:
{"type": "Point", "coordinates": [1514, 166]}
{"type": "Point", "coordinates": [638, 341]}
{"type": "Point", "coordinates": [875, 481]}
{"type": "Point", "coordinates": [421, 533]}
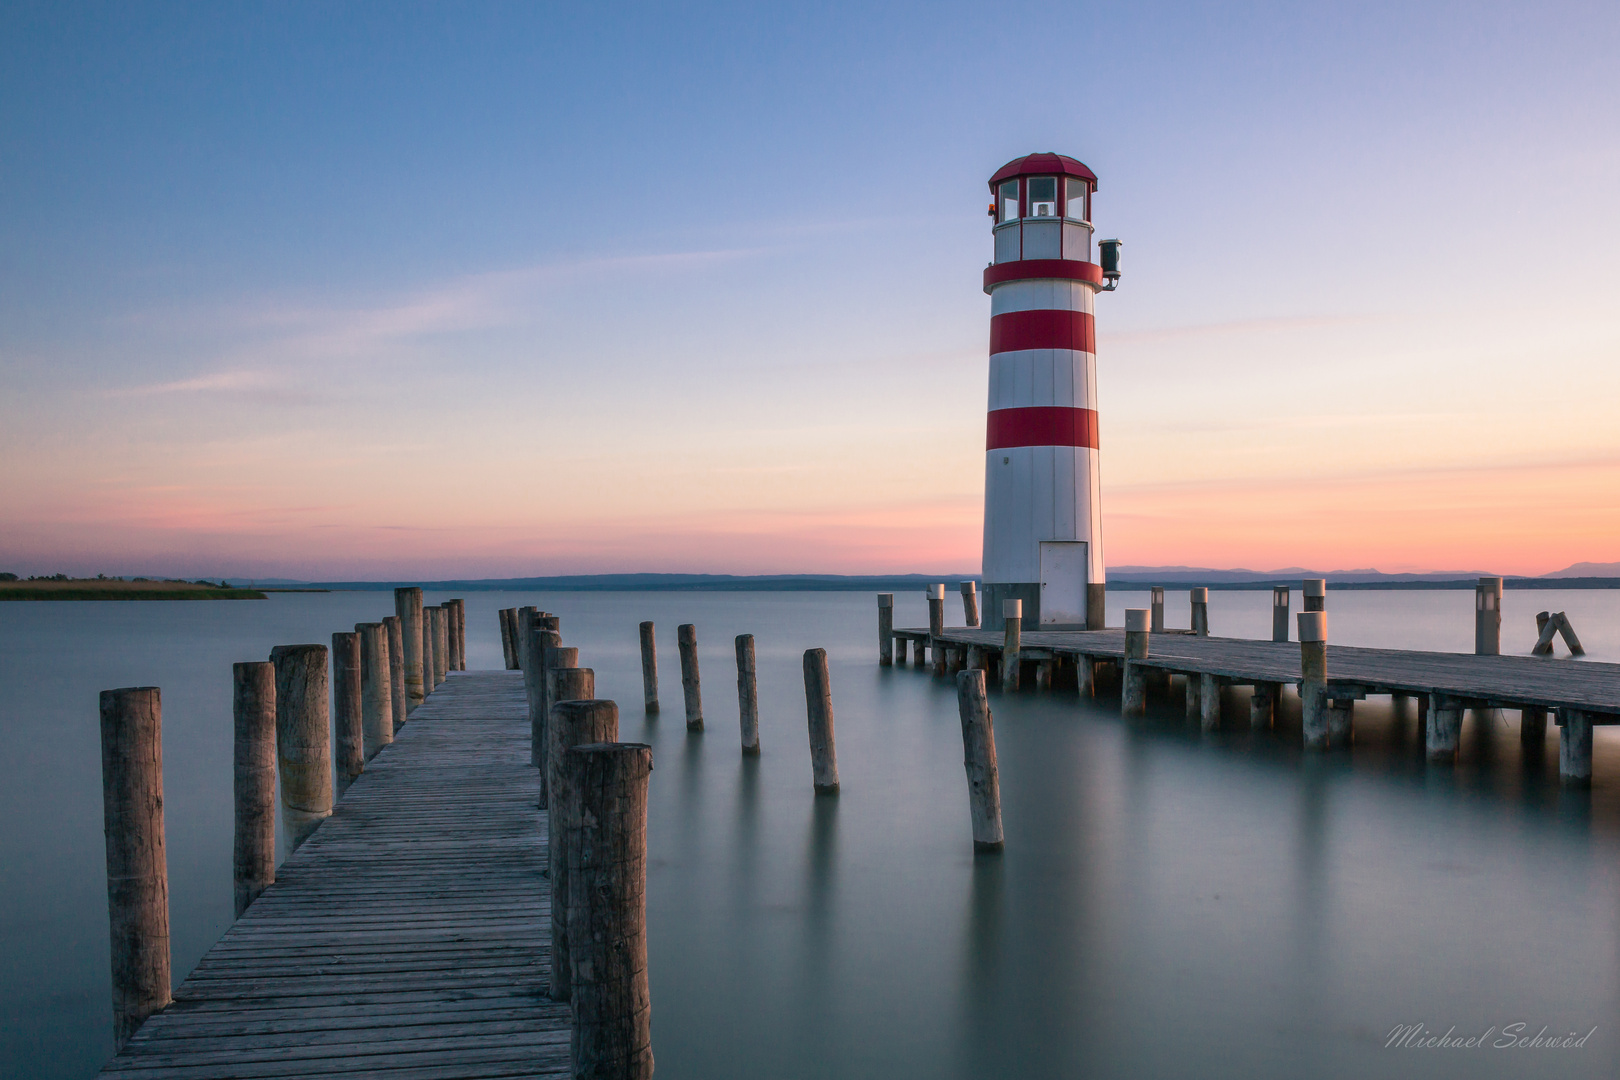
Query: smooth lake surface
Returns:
{"type": "Point", "coordinates": [1168, 905]}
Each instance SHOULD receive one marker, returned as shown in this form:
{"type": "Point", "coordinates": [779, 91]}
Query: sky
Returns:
{"type": "Point", "coordinates": [481, 290]}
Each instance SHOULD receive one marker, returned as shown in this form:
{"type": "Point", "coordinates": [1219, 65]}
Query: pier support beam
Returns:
{"type": "Point", "coordinates": [1444, 732]}
{"type": "Point", "coordinates": [452, 616]}
{"type": "Point", "coordinates": [376, 688]}
{"type": "Point", "coordinates": [818, 706]}
{"type": "Point", "coordinates": [348, 727]}
{"type": "Point", "coordinates": [1012, 617]}
{"type": "Point", "coordinates": [691, 689]}
{"type": "Point", "coordinates": [441, 642]}
{"type": "Point", "coordinates": [397, 697]}
{"type": "Point", "coordinates": [979, 758]}
{"type": "Point", "coordinates": [555, 660]}
{"type": "Point", "coordinates": [1533, 730]}
{"type": "Point", "coordinates": [611, 1002]}
{"type": "Point", "coordinates": [899, 652]}
{"type": "Point", "coordinates": [508, 638]}
{"type": "Point", "coordinates": [1263, 705]}
{"type": "Point", "coordinates": [936, 627]}
{"type": "Point", "coordinates": [1488, 617]}
{"type": "Point", "coordinates": [137, 862]}
{"type": "Point", "coordinates": [885, 629]}
{"type": "Point", "coordinates": [1279, 613]}
{"type": "Point", "coordinates": [1209, 703]}
{"type": "Point", "coordinates": [253, 705]}
{"type": "Point", "coordinates": [303, 738]}
{"type": "Point", "coordinates": [1313, 679]}
{"type": "Point", "coordinates": [747, 694]}
{"type": "Point", "coordinates": [1133, 695]}
{"type": "Point", "coordinates": [408, 608]}
{"type": "Point", "coordinates": [1085, 676]}
{"type": "Point", "coordinates": [1574, 749]}
{"type": "Point", "coordinates": [1341, 724]}
{"type": "Point", "coordinates": [430, 665]}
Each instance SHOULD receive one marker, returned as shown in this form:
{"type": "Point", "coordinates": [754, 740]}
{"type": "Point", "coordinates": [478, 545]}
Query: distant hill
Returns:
{"type": "Point", "coordinates": [1587, 569]}
{"type": "Point", "coordinates": [667, 583]}
{"type": "Point", "coordinates": [1203, 575]}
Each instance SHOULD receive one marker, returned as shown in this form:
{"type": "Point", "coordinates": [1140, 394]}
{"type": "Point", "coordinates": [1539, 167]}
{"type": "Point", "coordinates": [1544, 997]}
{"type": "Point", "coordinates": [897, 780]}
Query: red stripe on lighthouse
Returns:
{"type": "Point", "coordinates": [1045, 425]}
{"type": "Point", "coordinates": [1046, 328]}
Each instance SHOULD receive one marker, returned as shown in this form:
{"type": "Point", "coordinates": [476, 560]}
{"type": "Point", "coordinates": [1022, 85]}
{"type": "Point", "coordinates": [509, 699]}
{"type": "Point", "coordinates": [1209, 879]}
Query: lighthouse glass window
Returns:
{"type": "Point", "coordinates": [1009, 200]}
{"type": "Point", "coordinates": [1043, 196]}
{"type": "Point", "coordinates": [1077, 201]}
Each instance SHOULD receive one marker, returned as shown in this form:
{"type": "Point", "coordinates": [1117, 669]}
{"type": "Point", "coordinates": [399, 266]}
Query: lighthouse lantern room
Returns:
{"type": "Point", "coordinates": [1042, 506]}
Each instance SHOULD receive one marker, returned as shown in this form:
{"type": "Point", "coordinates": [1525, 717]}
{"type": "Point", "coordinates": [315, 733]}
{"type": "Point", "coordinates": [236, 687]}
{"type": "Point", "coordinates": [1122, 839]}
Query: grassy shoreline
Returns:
{"type": "Point", "coordinates": [122, 590]}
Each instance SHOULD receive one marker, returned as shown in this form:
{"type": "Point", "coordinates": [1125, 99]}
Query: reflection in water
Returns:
{"type": "Point", "coordinates": [1312, 914]}
{"type": "Point", "coordinates": [982, 1025]}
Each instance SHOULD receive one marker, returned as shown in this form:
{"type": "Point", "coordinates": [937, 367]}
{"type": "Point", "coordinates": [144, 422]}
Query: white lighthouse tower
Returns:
{"type": "Point", "coordinates": [1042, 505]}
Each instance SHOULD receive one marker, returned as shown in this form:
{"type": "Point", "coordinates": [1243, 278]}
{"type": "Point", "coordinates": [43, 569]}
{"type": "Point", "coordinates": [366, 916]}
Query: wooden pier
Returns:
{"type": "Point", "coordinates": [408, 937]}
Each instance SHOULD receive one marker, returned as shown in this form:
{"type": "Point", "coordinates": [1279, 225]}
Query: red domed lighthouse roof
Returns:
{"type": "Point", "coordinates": [1043, 165]}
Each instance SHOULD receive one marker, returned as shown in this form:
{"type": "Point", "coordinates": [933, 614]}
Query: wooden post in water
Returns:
{"type": "Point", "coordinates": [527, 620]}
{"type": "Point", "coordinates": [508, 638]}
{"type": "Point", "coordinates": [347, 697]}
{"type": "Point", "coordinates": [1341, 722]}
{"type": "Point", "coordinates": [747, 694]}
{"type": "Point", "coordinates": [1263, 705]}
{"type": "Point", "coordinates": [303, 738]}
{"type": "Point", "coordinates": [1156, 606]}
{"type": "Point", "coordinates": [137, 863]}
{"type": "Point", "coordinates": [1488, 617]}
{"type": "Point", "coordinates": [549, 655]}
{"type": "Point", "coordinates": [1546, 629]}
{"type": "Point", "coordinates": [1279, 613]}
{"type": "Point", "coordinates": [1209, 703]}
{"type": "Point", "coordinates": [1444, 729]}
{"type": "Point", "coordinates": [970, 602]}
{"type": "Point", "coordinates": [686, 641]}
{"type": "Point", "coordinates": [885, 629]}
{"type": "Point", "coordinates": [1314, 594]}
{"type": "Point", "coordinates": [571, 724]}
{"type": "Point", "coordinates": [408, 608]}
{"type": "Point", "coordinates": [397, 697]}
{"type": "Point", "coordinates": [649, 669]}
{"type": "Point", "coordinates": [1313, 678]}
{"type": "Point", "coordinates": [899, 652]}
{"type": "Point", "coordinates": [452, 611]}
{"type": "Point", "coordinates": [376, 688]}
{"type": "Point", "coordinates": [1567, 632]}
{"type": "Point", "coordinates": [611, 1003]}
{"type": "Point", "coordinates": [430, 667]}
{"type": "Point", "coordinates": [441, 641]}
{"type": "Point", "coordinates": [936, 627]}
{"type": "Point", "coordinates": [1533, 729]}
{"type": "Point", "coordinates": [1574, 749]}
{"type": "Point", "coordinates": [979, 758]}
{"type": "Point", "coordinates": [1085, 676]}
{"type": "Point", "coordinates": [253, 705]}
{"type": "Point", "coordinates": [1133, 693]}
{"type": "Point", "coordinates": [1012, 642]}
{"type": "Point", "coordinates": [1200, 611]}
{"type": "Point", "coordinates": [818, 704]}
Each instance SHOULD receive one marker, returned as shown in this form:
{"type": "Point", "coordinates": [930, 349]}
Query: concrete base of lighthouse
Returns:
{"type": "Point", "coordinates": [1030, 593]}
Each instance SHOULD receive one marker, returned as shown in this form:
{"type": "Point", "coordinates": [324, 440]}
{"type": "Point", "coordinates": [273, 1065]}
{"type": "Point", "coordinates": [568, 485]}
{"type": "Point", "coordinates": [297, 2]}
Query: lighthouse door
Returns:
{"type": "Point", "coordinates": [1063, 583]}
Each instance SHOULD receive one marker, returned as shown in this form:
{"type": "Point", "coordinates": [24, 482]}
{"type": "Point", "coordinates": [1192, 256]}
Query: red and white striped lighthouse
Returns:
{"type": "Point", "coordinates": [1042, 505]}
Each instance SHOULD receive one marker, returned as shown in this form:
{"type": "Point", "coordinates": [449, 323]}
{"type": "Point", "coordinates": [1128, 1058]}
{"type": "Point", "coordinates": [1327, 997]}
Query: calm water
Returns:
{"type": "Point", "coordinates": [1168, 905]}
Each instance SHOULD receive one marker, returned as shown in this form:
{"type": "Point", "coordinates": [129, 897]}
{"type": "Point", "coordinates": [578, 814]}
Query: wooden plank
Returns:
{"type": "Point", "coordinates": [445, 977]}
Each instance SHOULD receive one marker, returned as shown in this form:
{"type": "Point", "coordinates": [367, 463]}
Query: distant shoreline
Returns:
{"type": "Point", "coordinates": [45, 591]}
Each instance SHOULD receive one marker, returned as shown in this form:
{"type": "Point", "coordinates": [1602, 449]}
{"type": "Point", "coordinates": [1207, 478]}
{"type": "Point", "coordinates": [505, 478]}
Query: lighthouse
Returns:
{"type": "Point", "coordinates": [1042, 499]}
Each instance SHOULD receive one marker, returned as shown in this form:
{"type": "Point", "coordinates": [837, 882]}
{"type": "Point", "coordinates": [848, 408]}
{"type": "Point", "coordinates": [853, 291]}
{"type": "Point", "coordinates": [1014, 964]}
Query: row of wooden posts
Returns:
{"type": "Point", "coordinates": [288, 716]}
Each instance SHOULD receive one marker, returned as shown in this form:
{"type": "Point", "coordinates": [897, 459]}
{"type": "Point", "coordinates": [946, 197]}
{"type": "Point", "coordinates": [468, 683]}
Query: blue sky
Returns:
{"type": "Point", "coordinates": [379, 289]}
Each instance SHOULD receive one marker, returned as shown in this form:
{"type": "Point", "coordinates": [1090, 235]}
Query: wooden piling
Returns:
{"type": "Point", "coordinates": [253, 707]}
{"type": "Point", "coordinates": [818, 705]}
{"type": "Point", "coordinates": [936, 611]}
{"type": "Point", "coordinates": [1209, 703]}
{"type": "Point", "coordinates": [970, 602]}
{"type": "Point", "coordinates": [571, 723]}
{"type": "Point", "coordinates": [1574, 749]}
{"type": "Point", "coordinates": [551, 622]}
{"type": "Point", "coordinates": [979, 758]}
{"type": "Point", "coordinates": [348, 703]}
{"type": "Point", "coordinates": [376, 688]}
{"type": "Point", "coordinates": [534, 696]}
{"type": "Point", "coordinates": [408, 608]}
{"type": "Point", "coordinates": [137, 862]}
{"type": "Point", "coordinates": [1085, 676]}
{"type": "Point", "coordinates": [1313, 678]}
{"type": "Point", "coordinates": [1133, 695]}
{"type": "Point", "coordinates": [1443, 732]}
{"type": "Point", "coordinates": [1533, 729]}
{"type": "Point", "coordinates": [611, 1003]}
{"type": "Point", "coordinates": [452, 610]}
{"type": "Point", "coordinates": [1200, 611]}
{"type": "Point", "coordinates": [1279, 612]}
{"type": "Point", "coordinates": [430, 667]}
{"type": "Point", "coordinates": [747, 694]}
{"type": "Point", "coordinates": [441, 642]}
{"type": "Point", "coordinates": [1546, 630]}
{"type": "Point", "coordinates": [397, 696]}
{"type": "Point", "coordinates": [899, 652]}
{"type": "Point", "coordinates": [549, 655]}
{"type": "Point", "coordinates": [1488, 617]}
{"type": "Point", "coordinates": [1263, 705]}
{"type": "Point", "coordinates": [649, 669]}
{"type": "Point", "coordinates": [527, 620]}
{"type": "Point", "coordinates": [1341, 722]}
{"type": "Point", "coordinates": [508, 638]}
{"type": "Point", "coordinates": [1314, 594]}
{"type": "Point", "coordinates": [303, 739]}
{"type": "Point", "coordinates": [1567, 632]}
{"type": "Point", "coordinates": [1012, 640]}
{"type": "Point", "coordinates": [885, 628]}
{"type": "Point", "coordinates": [1156, 606]}
{"type": "Point", "coordinates": [686, 641]}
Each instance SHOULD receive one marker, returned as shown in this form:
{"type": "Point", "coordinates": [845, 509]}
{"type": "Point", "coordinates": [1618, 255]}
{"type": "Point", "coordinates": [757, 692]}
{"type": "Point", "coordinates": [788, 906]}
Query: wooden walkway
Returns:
{"type": "Point", "coordinates": [1512, 682]}
{"type": "Point", "coordinates": [409, 938]}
